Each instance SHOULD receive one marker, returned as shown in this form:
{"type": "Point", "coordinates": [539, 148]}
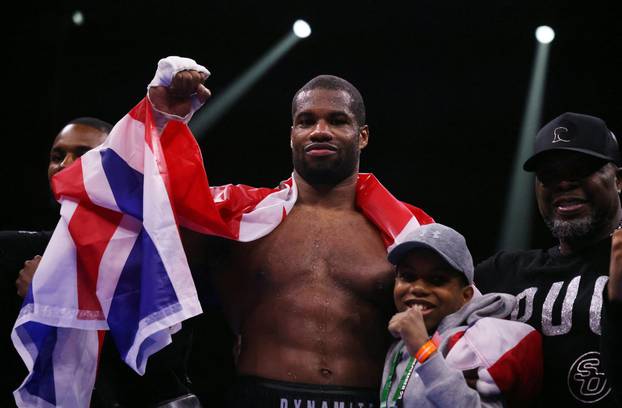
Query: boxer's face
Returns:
{"type": "Point", "coordinates": [326, 139]}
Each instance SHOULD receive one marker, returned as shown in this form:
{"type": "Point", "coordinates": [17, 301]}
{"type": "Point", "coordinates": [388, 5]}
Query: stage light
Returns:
{"type": "Point", "coordinates": [77, 18]}
{"type": "Point", "coordinates": [302, 29]}
{"type": "Point", "coordinates": [203, 121]}
{"type": "Point", "coordinates": [516, 226]}
{"type": "Point", "coordinates": [545, 34]}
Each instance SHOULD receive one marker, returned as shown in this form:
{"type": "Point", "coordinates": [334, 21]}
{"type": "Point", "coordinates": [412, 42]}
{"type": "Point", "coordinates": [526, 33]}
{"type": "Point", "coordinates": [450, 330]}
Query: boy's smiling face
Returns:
{"type": "Point", "coordinates": [425, 278]}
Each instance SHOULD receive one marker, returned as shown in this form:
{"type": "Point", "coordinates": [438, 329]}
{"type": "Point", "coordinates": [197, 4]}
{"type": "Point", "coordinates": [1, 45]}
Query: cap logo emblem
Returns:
{"type": "Point", "coordinates": [558, 134]}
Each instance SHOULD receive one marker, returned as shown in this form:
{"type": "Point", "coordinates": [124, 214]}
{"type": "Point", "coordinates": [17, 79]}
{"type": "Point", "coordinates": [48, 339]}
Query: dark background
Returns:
{"type": "Point", "coordinates": [445, 84]}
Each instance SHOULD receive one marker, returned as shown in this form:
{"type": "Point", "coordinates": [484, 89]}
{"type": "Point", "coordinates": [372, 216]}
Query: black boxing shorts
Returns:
{"type": "Point", "coordinates": [256, 392]}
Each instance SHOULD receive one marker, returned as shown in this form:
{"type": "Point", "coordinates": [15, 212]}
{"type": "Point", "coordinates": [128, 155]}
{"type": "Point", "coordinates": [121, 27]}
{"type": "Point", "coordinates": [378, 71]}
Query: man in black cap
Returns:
{"type": "Point", "coordinates": [562, 291]}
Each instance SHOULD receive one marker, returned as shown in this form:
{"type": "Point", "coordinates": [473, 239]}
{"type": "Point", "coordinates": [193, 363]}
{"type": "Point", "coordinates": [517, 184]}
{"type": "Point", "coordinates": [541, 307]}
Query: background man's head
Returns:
{"type": "Point", "coordinates": [76, 138]}
{"type": "Point", "coordinates": [328, 130]}
{"type": "Point", "coordinates": [576, 161]}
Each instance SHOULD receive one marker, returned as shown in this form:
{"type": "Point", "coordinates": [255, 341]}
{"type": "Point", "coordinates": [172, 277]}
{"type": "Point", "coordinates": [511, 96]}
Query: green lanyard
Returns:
{"type": "Point", "coordinates": [399, 392]}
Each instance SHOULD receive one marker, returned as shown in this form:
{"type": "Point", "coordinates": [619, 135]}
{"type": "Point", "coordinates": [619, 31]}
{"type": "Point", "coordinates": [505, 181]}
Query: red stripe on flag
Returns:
{"type": "Point", "coordinates": [172, 128]}
{"type": "Point", "coordinates": [138, 112]}
{"type": "Point", "coordinates": [192, 198]}
{"type": "Point", "coordinates": [69, 183]}
{"type": "Point", "coordinates": [419, 214]}
{"type": "Point", "coordinates": [101, 336]}
{"type": "Point", "coordinates": [384, 210]}
{"type": "Point", "coordinates": [91, 228]}
{"type": "Point", "coordinates": [142, 113]}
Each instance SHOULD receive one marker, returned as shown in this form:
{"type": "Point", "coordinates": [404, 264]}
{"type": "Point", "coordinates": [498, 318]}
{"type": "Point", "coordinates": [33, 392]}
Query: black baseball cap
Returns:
{"type": "Point", "coordinates": [577, 132]}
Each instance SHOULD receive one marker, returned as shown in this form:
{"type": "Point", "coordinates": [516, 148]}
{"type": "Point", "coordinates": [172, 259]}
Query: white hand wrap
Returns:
{"type": "Point", "coordinates": [167, 68]}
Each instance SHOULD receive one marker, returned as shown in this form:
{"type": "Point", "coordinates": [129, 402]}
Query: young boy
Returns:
{"type": "Point", "coordinates": [455, 349]}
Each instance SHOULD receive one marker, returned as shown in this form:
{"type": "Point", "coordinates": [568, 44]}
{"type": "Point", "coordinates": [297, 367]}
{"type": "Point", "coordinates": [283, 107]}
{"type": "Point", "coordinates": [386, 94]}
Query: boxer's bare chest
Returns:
{"type": "Point", "coordinates": [314, 245]}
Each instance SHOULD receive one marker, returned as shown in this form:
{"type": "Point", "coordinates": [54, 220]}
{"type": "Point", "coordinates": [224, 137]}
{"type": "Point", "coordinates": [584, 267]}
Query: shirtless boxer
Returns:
{"type": "Point", "coordinates": [312, 299]}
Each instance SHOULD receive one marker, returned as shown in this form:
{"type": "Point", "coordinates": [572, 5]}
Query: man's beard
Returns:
{"type": "Point", "coordinates": [576, 229]}
{"type": "Point", "coordinates": [330, 172]}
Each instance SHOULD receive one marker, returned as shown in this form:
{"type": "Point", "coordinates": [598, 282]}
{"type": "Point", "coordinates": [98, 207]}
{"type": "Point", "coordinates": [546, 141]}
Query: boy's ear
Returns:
{"type": "Point", "coordinates": [467, 294]}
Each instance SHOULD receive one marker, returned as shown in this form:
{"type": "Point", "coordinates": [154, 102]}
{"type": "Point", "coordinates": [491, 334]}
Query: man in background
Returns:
{"type": "Point", "coordinates": [562, 291]}
{"type": "Point", "coordinates": [165, 382]}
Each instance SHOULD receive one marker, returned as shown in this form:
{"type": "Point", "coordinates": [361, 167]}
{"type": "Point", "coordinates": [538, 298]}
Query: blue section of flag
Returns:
{"type": "Point", "coordinates": [29, 296]}
{"type": "Point", "coordinates": [41, 383]}
{"type": "Point", "coordinates": [143, 290]}
{"type": "Point", "coordinates": [125, 182]}
{"type": "Point", "coordinates": [142, 354]}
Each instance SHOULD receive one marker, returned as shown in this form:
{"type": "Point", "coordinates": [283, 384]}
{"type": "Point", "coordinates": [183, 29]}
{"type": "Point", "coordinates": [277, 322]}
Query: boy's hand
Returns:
{"type": "Point", "coordinates": [410, 327]}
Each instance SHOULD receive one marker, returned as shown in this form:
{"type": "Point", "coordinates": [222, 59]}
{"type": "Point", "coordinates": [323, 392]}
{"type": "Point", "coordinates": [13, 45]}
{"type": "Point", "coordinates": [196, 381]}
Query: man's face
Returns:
{"type": "Point", "coordinates": [424, 278]}
{"type": "Point", "coordinates": [326, 139]}
{"type": "Point", "coordinates": [577, 194]}
{"type": "Point", "coordinates": [72, 142]}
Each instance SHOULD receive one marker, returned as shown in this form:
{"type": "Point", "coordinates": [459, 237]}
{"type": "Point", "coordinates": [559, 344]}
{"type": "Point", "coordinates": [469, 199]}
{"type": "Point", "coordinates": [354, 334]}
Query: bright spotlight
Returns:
{"type": "Point", "coordinates": [302, 29]}
{"type": "Point", "coordinates": [77, 18]}
{"type": "Point", "coordinates": [545, 34]}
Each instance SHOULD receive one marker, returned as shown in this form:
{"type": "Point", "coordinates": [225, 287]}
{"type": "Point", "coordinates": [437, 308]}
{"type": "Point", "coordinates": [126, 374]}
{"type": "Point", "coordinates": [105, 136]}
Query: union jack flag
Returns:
{"type": "Point", "coordinates": [116, 262]}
